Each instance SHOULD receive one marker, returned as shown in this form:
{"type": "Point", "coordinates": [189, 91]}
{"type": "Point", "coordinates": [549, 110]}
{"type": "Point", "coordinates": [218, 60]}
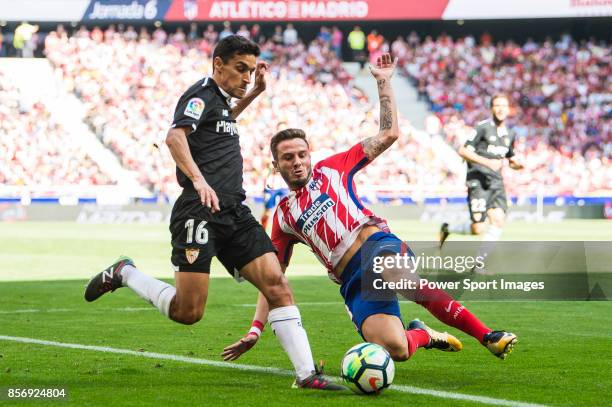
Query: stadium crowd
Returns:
{"type": "Point", "coordinates": [33, 147]}
{"type": "Point", "coordinates": [560, 90]}
{"type": "Point", "coordinates": [130, 80]}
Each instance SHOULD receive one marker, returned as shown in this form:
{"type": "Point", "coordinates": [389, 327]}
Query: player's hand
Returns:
{"type": "Point", "coordinates": [495, 164]}
{"type": "Point", "coordinates": [515, 164]}
{"type": "Point", "coordinates": [385, 66]}
{"type": "Point", "coordinates": [234, 351]}
{"type": "Point", "coordinates": [260, 77]}
{"type": "Point", "coordinates": [207, 195]}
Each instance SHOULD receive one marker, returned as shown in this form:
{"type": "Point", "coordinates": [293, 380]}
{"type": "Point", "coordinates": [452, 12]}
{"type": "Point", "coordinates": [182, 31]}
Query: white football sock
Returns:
{"type": "Point", "coordinates": [156, 292]}
{"type": "Point", "coordinates": [461, 228]}
{"type": "Point", "coordinates": [286, 323]}
{"type": "Point", "coordinates": [492, 234]}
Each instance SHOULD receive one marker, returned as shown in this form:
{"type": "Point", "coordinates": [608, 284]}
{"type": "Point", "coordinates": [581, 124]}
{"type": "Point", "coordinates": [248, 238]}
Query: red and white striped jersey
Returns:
{"type": "Point", "coordinates": [325, 214]}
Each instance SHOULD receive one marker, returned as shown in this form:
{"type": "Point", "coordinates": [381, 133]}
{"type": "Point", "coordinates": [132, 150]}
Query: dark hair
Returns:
{"type": "Point", "coordinates": [235, 45]}
{"type": "Point", "coordinates": [287, 134]}
{"type": "Point", "coordinates": [498, 96]}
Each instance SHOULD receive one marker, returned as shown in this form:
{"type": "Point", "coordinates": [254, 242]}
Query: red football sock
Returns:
{"type": "Point", "coordinates": [417, 338]}
{"type": "Point", "coordinates": [451, 312]}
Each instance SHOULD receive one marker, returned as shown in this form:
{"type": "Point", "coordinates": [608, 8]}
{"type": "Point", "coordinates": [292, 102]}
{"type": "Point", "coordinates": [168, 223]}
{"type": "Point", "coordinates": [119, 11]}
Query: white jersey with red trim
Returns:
{"type": "Point", "coordinates": [325, 214]}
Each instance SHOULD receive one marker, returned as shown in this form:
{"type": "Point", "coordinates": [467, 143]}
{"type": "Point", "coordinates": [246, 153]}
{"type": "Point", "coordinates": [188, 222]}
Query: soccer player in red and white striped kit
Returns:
{"type": "Point", "coordinates": [324, 212]}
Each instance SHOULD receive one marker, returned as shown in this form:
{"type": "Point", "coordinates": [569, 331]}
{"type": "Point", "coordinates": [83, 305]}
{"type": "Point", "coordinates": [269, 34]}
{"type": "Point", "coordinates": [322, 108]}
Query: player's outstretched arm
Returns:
{"type": "Point", "coordinates": [256, 90]}
{"type": "Point", "coordinates": [235, 350]}
{"type": "Point", "coordinates": [389, 127]}
{"type": "Point", "coordinates": [176, 140]}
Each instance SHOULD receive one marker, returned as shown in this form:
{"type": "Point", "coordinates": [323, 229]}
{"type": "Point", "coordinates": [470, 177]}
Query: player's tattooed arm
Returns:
{"type": "Point", "coordinates": [373, 147]}
{"type": "Point", "coordinates": [389, 127]}
{"type": "Point", "coordinates": [386, 113]}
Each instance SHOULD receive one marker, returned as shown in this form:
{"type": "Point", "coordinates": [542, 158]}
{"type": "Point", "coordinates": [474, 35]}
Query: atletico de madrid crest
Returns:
{"type": "Point", "coordinates": [192, 255]}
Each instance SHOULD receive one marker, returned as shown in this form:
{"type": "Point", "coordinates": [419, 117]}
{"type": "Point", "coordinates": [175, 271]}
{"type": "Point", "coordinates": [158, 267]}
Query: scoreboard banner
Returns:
{"type": "Point", "coordinates": [121, 10]}
{"type": "Point", "coordinates": [294, 10]}
{"type": "Point", "coordinates": [519, 9]}
{"type": "Point", "coordinates": [305, 10]}
{"type": "Point", "coordinates": [377, 10]}
{"type": "Point", "coordinates": [37, 10]}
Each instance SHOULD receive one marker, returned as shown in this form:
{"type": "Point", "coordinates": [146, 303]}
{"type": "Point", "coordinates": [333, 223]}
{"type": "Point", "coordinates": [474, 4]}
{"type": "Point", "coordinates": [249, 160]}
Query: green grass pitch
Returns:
{"type": "Point", "coordinates": [562, 358]}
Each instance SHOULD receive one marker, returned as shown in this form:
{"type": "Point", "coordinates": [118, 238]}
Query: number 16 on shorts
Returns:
{"type": "Point", "coordinates": [201, 233]}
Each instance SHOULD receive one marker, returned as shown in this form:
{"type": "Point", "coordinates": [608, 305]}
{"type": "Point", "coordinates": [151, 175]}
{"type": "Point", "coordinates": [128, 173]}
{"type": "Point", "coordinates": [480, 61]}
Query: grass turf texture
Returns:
{"type": "Point", "coordinates": [560, 359]}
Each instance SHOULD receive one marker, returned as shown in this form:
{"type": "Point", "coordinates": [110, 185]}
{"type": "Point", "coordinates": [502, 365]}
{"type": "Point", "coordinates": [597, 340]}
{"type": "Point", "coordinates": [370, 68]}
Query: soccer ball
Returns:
{"type": "Point", "coordinates": [368, 368]}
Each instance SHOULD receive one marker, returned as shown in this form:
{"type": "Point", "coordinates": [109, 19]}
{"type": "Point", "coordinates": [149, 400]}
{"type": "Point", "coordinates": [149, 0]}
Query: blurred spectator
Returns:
{"type": "Point", "coordinates": [413, 39]}
{"type": "Point", "coordinates": [25, 40]}
{"type": "Point", "coordinates": [375, 44]}
{"type": "Point", "coordinates": [210, 35]}
{"type": "Point", "coordinates": [159, 35]}
{"type": "Point", "coordinates": [336, 41]}
{"type": "Point", "coordinates": [244, 31]}
{"type": "Point", "coordinates": [290, 35]}
{"type": "Point", "coordinates": [96, 34]}
{"type": "Point", "coordinates": [324, 35]}
{"type": "Point", "coordinates": [256, 34]}
{"type": "Point", "coordinates": [130, 34]}
{"type": "Point", "coordinates": [178, 39]}
{"type": "Point", "coordinates": [193, 36]}
{"type": "Point", "coordinates": [227, 30]}
{"type": "Point", "coordinates": [2, 47]}
{"type": "Point", "coordinates": [357, 41]}
{"type": "Point", "coordinates": [277, 37]}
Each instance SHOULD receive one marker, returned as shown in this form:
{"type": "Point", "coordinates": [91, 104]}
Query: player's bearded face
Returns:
{"type": "Point", "coordinates": [293, 162]}
{"type": "Point", "coordinates": [235, 76]}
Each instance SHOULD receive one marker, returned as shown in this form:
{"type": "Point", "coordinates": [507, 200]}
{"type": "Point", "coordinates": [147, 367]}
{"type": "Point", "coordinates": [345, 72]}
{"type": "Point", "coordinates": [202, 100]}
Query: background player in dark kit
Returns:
{"type": "Point", "coordinates": [209, 219]}
{"type": "Point", "coordinates": [484, 153]}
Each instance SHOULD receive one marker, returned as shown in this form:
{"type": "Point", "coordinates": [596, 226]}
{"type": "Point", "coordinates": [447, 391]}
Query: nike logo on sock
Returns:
{"type": "Point", "coordinates": [450, 304]}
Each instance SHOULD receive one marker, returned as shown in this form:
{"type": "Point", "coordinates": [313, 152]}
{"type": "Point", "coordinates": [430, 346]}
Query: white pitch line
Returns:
{"type": "Point", "coordinates": [52, 310]}
{"type": "Point", "coordinates": [138, 309]}
{"type": "Point", "coordinates": [270, 370]}
{"type": "Point", "coordinates": [299, 304]}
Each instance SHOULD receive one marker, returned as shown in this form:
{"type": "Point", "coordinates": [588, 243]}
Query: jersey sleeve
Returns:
{"type": "Point", "coordinates": [191, 108]}
{"type": "Point", "coordinates": [473, 138]}
{"type": "Point", "coordinates": [283, 242]}
{"type": "Point", "coordinates": [351, 160]}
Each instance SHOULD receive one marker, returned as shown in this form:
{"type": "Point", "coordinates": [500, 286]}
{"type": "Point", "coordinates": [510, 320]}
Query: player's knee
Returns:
{"type": "Point", "coordinates": [398, 351]}
{"type": "Point", "coordinates": [188, 316]}
{"type": "Point", "coordinates": [478, 228]}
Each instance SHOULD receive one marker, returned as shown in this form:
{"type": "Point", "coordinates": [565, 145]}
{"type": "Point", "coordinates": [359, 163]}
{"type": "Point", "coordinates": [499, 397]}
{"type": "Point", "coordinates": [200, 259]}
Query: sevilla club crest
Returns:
{"type": "Point", "coordinates": [192, 255]}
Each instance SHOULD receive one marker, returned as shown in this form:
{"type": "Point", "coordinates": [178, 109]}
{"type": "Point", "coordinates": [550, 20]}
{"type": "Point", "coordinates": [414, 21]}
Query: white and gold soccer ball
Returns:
{"type": "Point", "coordinates": [368, 368]}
